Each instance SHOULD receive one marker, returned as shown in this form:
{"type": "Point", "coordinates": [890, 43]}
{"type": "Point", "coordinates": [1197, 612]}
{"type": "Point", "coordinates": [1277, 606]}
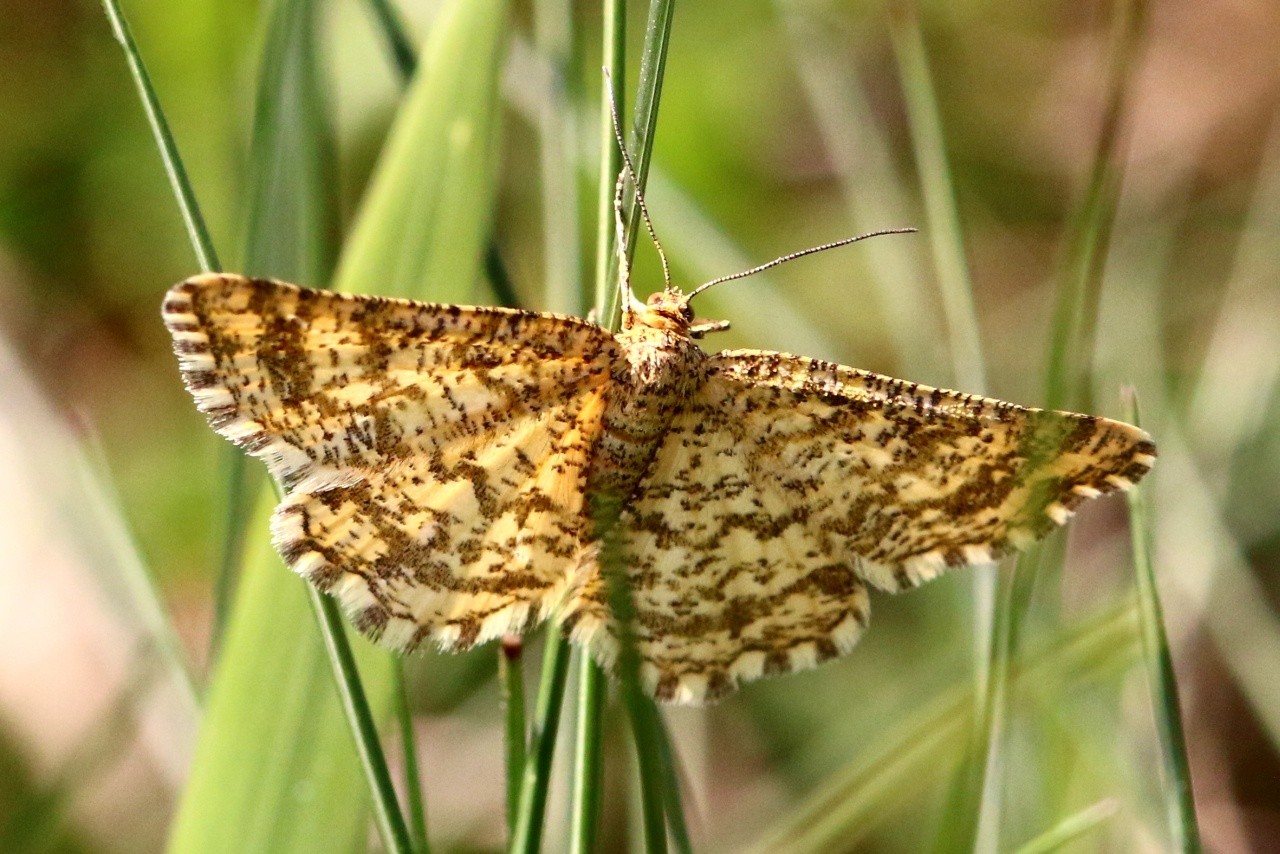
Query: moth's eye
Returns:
{"type": "Point", "coordinates": [686, 311]}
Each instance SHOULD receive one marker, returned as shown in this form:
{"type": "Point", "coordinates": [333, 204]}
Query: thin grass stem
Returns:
{"type": "Point", "coordinates": [961, 819]}
{"type": "Point", "coordinates": [1180, 804]}
{"type": "Point", "coordinates": [197, 229]}
{"type": "Point", "coordinates": [1071, 828]}
{"type": "Point", "coordinates": [653, 65]}
{"type": "Point", "coordinates": [640, 709]}
{"type": "Point", "coordinates": [409, 755]}
{"type": "Point", "coordinates": [938, 189]}
{"type": "Point", "coordinates": [612, 88]}
{"type": "Point", "coordinates": [527, 838]}
{"type": "Point", "coordinates": [403, 54]}
{"type": "Point", "coordinates": [657, 798]}
{"type": "Point", "coordinates": [511, 682]}
{"type": "Point", "coordinates": [1067, 381]}
{"type": "Point", "coordinates": [346, 676]}
{"type": "Point", "coordinates": [588, 754]}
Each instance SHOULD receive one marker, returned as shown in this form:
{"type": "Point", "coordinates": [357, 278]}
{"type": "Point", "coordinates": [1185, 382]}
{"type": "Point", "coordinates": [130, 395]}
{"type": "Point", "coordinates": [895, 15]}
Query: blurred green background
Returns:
{"type": "Point", "coordinates": [782, 125]}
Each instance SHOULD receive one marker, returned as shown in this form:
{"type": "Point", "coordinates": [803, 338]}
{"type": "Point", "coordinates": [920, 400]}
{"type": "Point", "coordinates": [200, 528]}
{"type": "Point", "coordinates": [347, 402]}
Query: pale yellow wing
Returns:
{"type": "Point", "coordinates": [434, 455]}
{"type": "Point", "coordinates": [913, 479]}
{"type": "Point", "coordinates": [787, 482]}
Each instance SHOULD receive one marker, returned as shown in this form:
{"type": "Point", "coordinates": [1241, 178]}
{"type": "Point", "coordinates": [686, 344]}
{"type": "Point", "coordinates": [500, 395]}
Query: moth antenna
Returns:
{"type": "Point", "coordinates": [794, 255]}
{"type": "Point", "coordinates": [629, 169]}
{"type": "Point", "coordinates": [626, 296]}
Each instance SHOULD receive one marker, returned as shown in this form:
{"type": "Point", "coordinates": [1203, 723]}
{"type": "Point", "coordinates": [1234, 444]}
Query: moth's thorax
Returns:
{"type": "Point", "coordinates": [662, 369]}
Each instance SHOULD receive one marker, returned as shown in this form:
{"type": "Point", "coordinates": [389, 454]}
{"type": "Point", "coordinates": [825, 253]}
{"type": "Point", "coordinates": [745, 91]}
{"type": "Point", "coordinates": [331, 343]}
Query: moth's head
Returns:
{"type": "Point", "coordinates": [670, 311]}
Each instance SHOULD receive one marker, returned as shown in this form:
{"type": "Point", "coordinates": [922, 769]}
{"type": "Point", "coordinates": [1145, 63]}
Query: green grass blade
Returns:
{"type": "Point", "coordinates": [409, 752]}
{"type": "Point", "coordinates": [527, 838]}
{"type": "Point", "coordinates": [960, 823]}
{"type": "Point", "coordinates": [644, 127]}
{"type": "Point", "coordinates": [398, 41]}
{"type": "Point", "coordinates": [1075, 313]}
{"type": "Point", "coordinates": [511, 679]}
{"type": "Point", "coordinates": [237, 514]}
{"type": "Point", "coordinates": [611, 87]}
{"type": "Point", "coordinates": [1071, 828]}
{"type": "Point", "coordinates": [584, 809]}
{"type": "Point", "coordinates": [197, 230]}
{"type": "Point", "coordinates": [1180, 805]}
{"type": "Point", "coordinates": [422, 225]}
{"type": "Point", "coordinates": [557, 154]}
{"type": "Point", "coordinates": [588, 754]}
{"type": "Point", "coordinates": [386, 811]}
{"type": "Point", "coordinates": [938, 188]}
{"type": "Point", "coordinates": [640, 709]}
{"type": "Point", "coordinates": [275, 770]}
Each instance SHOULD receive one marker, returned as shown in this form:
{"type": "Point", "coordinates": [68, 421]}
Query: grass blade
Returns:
{"type": "Point", "coordinates": [398, 42]}
{"type": "Point", "coordinates": [584, 807]}
{"type": "Point", "coordinates": [557, 140]}
{"type": "Point", "coordinates": [584, 810]}
{"type": "Point", "coordinates": [274, 769]}
{"type": "Point", "coordinates": [511, 679]}
{"type": "Point", "coordinates": [387, 816]}
{"type": "Point", "coordinates": [938, 189]}
{"type": "Point", "coordinates": [422, 225]}
{"type": "Point", "coordinates": [1180, 804]}
{"type": "Point", "coordinates": [527, 838]}
{"type": "Point", "coordinates": [197, 230]}
{"type": "Point", "coordinates": [409, 751]}
{"type": "Point", "coordinates": [1070, 828]}
{"type": "Point", "coordinates": [961, 816]}
{"type": "Point", "coordinates": [612, 87]}
{"type": "Point", "coordinates": [1075, 313]}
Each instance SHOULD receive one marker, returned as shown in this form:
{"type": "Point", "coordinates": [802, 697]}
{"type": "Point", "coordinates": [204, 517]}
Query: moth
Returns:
{"type": "Point", "coordinates": [440, 462]}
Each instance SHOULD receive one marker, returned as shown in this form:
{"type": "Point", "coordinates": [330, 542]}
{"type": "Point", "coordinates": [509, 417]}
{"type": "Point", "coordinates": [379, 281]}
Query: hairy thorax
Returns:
{"type": "Point", "coordinates": [662, 369]}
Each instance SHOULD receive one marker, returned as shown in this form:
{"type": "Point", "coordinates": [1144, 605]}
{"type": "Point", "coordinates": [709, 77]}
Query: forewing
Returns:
{"type": "Point", "coordinates": [913, 479]}
{"type": "Point", "coordinates": [310, 381]}
{"type": "Point", "coordinates": [434, 455]}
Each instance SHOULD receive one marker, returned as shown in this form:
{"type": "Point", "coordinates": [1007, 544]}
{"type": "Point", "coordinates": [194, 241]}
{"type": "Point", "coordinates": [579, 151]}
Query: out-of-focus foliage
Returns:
{"type": "Point", "coordinates": [782, 125]}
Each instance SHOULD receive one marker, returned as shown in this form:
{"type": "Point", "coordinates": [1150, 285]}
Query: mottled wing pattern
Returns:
{"type": "Point", "coordinates": [434, 454]}
{"type": "Point", "coordinates": [788, 482]}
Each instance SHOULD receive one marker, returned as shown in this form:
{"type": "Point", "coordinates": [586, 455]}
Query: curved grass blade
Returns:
{"type": "Point", "coordinates": [409, 749]}
{"type": "Point", "coordinates": [197, 230]}
{"type": "Point", "coordinates": [1180, 806]}
{"type": "Point", "coordinates": [386, 811]}
{"type": "Point", "coordinates": [1071, 828]}
{"type": "Point", "coordinates": [398, 42]}
{"type": "Point", "coordinates": [960, 821]}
